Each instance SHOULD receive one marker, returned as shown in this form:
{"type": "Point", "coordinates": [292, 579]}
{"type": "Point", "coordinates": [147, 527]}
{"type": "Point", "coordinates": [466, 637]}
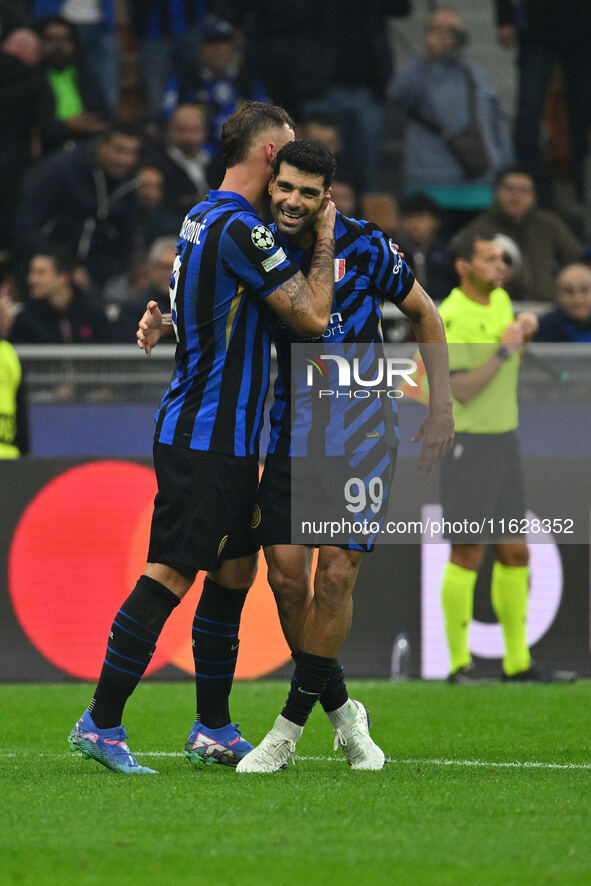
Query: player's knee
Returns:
{"type": "Point", "coordinates": [238, 573]}
{"type": "Point", "coordinates": [178, 579]}
{"type": "Point", "coordinates": [246, 576]}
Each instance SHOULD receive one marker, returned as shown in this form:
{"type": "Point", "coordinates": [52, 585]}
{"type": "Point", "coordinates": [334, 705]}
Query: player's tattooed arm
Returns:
{"type": "Point", "coordinates": [152, 327]}
{"type": "Point", "coordinates": [305, 303]}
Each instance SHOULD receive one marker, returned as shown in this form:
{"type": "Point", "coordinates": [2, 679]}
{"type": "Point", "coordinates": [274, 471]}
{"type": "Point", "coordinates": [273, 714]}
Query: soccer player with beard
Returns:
{"type": "Point", "coordinates": [206, 440]}
{"type": "Point", "coordinates": [368, 269]}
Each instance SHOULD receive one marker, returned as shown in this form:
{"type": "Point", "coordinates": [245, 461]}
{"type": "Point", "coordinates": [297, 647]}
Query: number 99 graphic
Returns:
{"type": "Point", "coordinates": [357, 495]}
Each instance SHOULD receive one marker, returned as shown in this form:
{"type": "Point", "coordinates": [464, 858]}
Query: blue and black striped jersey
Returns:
{"type": "Point", "coordinates": [368, 270]}
{"type": "Point", "coordinates": [227, 263]}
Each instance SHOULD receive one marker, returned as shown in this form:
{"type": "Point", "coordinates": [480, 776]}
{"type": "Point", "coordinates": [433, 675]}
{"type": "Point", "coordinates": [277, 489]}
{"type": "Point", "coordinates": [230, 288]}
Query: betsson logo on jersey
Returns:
{"type": "Point", "coordinates": [335, 327]}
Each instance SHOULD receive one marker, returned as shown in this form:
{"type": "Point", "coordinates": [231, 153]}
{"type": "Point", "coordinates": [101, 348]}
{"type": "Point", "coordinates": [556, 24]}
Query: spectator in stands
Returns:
{"type": "Point", "coordinates": [286, 46]}
{"type": "Point", "coordinates": [159, 267]}
{"type": "Point", "coordinates": [324, 127]}
{"type": "Point", "coordinates": [424, 246]}
{"type": "Point", "coordinates": [154, 220]}
{"type": "Point", "coordinates": [345, 196]}
{"type": "Point", "coordinates": [167, 32]}
{"type": "Point", "coordinates": [362, 67]}
{"type": "Point", "coordinates": [7, 310]}
{"type": "Point", "coordinates": [25, 108]}
{"type": "Point", "coordinates": [80, 109]}
{"type": "Point", "coordinates": [216, 80]}
{"type": "Point", "coordinates": [457, 137]}
{"type": "Point", "coordinates": [330, 57]}
{"type": "Point", "coordinates": [84, 200]}
{"type": "Point", "coordinates": [97, 32]}
{"type": "Point", "coordinates": [546, 32]}
{"type": "Point", "coordinates": [571, 318]}
{"type": "Point", "coordinates": [543, 239]}
{"type": "Point", "coordinates": [57, 311]}
{"type": "Point", "coordinates": [183, 159]}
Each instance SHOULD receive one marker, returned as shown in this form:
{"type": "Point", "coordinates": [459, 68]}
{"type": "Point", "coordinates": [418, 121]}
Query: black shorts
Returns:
{"type": "Point", "coordinates": [482, 485]}
{"type": "Point", "coordinates": [203, 509]}
{"type": "Point", "coordinates": [318, 491]}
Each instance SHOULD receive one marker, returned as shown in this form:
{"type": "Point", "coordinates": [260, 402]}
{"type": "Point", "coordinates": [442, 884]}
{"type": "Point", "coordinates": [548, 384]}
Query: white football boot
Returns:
{"type": "Point", "coordinates": [351, 733]}
{"type": "Point", "coordinates": [275, 750]}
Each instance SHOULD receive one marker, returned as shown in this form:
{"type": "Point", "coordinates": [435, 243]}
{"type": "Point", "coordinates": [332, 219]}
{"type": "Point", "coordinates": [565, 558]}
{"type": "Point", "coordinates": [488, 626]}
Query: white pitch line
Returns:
{"type": "Point", "coordinates": [510, 764]}
{"type": "Point", "coordinates": [484, 764]}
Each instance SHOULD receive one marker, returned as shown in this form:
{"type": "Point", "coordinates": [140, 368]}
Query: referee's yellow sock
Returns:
{"type": "Point", "coordinates": [457, 600]}
{"type": "Point", "coordinates": [509, 591]}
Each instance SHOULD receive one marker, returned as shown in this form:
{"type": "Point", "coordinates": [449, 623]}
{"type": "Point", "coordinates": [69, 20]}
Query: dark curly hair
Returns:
{"type": "Point", "coordinates": [309, 156]}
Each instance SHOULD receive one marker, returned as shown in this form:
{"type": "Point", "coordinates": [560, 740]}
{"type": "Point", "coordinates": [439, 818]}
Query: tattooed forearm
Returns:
{"type": "Point", "coordinates": [321, 276]}
{"type": "Point", "coordinates": [314, 294]}
{"type": "Point", "coordinates": [296, 292]}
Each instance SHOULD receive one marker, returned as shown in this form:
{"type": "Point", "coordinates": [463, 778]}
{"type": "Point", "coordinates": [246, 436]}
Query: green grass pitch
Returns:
{"type": "Point", "coordinates": [487, 785]}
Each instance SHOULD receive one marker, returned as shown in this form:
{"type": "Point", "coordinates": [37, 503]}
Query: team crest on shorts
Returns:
{"type": "Point", "coordinates": [256, 517]}
{"type": "Point", "coordinates": [262, 237]}
{"type": "Point", "coordinates": [222, 545]}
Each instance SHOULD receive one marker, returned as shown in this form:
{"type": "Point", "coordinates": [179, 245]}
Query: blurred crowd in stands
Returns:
{"type": "Point", "coordinates": [111, 113]}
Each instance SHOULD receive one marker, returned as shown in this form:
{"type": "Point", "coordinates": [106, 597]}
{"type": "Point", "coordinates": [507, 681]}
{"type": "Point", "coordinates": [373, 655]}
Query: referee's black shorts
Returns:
{"type": "Point", "coordinates": [482, 483]}
{"type": "Point", "coordinates": [203, 508]}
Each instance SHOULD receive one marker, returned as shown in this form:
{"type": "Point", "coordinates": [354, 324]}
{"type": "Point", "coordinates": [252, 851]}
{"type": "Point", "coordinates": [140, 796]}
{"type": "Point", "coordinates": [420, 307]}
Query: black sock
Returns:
{"type": "Point", "coordinates": [215, 650]}
{"type": "Point", "coordinates": [131, 644]}
{"type": "Point", "coordinates": [335, 692]}
{"type": "Point", "coordinates": [307, 685]}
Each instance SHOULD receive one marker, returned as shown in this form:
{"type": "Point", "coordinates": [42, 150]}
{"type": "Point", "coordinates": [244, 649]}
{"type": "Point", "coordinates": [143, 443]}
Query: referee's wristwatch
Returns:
{"type": "Point", "coordinates": [502, 353]}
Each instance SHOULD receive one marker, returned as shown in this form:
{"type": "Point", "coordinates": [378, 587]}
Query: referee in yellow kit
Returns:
{"type": "Point", "coordinates": [482, 476]}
